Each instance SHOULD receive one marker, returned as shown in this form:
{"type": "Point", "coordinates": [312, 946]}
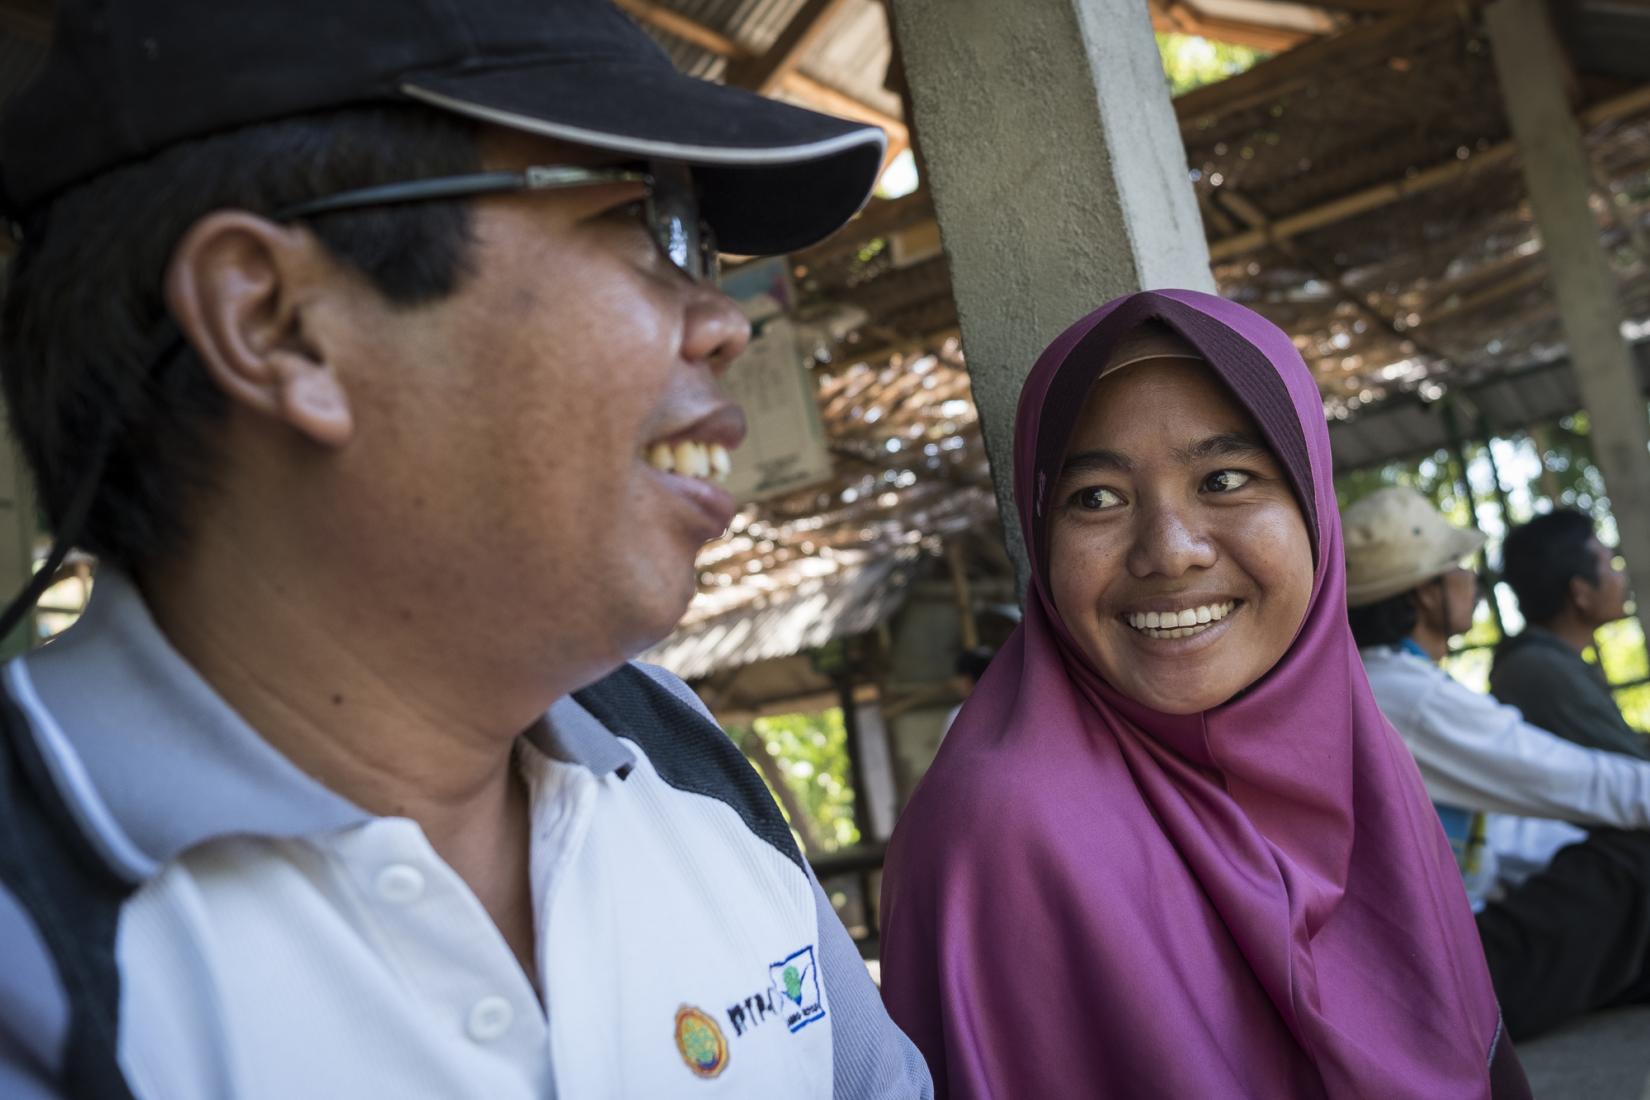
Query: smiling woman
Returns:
{"type": "Point", "coordinates": [1170, 846]}
{"type": "Point", "coordinates": [1178, 555]}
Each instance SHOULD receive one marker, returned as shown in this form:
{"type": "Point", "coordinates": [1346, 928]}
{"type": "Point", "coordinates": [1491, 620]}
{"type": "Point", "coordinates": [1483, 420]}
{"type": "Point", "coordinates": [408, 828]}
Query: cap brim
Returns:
{"type": "Point", "coordinates": [772, 177]}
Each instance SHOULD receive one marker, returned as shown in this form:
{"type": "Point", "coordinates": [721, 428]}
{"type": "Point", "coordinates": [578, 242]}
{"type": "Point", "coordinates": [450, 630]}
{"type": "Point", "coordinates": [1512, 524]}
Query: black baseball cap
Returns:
{"type": "Point", "coordinates": [128, 78]}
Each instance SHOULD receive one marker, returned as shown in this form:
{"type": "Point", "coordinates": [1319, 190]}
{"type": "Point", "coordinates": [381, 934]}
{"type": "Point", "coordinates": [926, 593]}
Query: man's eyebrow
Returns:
{"type": "Point", "coordinates": [1223, 445]}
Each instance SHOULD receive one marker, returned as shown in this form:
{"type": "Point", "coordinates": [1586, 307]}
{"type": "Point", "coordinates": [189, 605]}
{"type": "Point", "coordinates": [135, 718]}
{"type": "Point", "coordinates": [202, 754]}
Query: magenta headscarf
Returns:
{"type": "Point", "coordinates": [1089, 898]}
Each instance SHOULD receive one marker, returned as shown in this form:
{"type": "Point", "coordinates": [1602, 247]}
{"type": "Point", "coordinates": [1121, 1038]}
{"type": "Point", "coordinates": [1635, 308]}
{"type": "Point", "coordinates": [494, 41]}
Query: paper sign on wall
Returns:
{"type": "Point", "coordinates": [784, 449]}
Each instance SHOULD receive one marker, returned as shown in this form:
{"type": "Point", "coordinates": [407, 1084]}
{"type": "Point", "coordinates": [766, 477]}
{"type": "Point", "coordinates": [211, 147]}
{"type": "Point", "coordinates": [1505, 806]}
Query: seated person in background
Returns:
{"type": "Point", "coordinates": [1564, 916]}
{"type": "Point", "coordinates": [1567, 587]}
{"type": "Point", "coordinates": [1171, 848]}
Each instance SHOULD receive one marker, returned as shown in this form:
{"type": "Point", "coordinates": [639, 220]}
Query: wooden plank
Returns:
{"type": "Point", "coordinates": [688, 30]}
{"type": "Point", "coordinates": [813, 93]}
{"type": "Point", "coordinates": [1290, 70]}
{"type": "Point", "coordinates": [1175, 17]}
{"type": "Point", "coordinates": [1384, 194]}
{"type": "Point", "coordinates": [765, 74]}
{"type": "Point", "coordinates": [879, 218]}
{"type": "Point", "coordinates": [1270, 39]}
{"type": "Point", "coordinates": [824, 97]}
{"type": "Point", "coordinates": [1359, 7]}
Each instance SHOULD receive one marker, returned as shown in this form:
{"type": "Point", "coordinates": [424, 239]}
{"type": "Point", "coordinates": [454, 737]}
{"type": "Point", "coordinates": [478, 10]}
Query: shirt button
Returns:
{"type": "Point", "coordinates": [490, 1017]}
{"type": "Point", "coordinates": [400, 884]}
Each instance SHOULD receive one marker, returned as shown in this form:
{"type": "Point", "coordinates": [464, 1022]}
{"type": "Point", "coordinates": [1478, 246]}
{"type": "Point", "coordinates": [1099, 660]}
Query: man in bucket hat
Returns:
{"type": "Point", "coordinates": [1564, 915]}
{"type": "Point", "coordinates": [374, 350]}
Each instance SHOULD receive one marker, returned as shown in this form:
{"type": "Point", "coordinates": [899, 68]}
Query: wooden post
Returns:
{"type": "Point", "coordinates": [1533, 76]}
{"type": "Point", "coordinates": [970, 628]}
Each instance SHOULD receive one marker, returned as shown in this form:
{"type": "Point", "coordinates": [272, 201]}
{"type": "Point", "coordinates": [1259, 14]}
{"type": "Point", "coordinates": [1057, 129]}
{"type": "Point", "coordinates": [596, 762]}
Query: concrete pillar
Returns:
{"type": "Point", "coordinates": [1534, 76]}
{"type": "Point", "coordinates": [1058, 175]}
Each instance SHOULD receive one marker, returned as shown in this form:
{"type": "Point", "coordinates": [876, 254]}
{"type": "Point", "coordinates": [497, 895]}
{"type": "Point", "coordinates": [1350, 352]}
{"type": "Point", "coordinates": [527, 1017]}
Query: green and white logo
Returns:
{"type": "Point", "coordinates": [795, 980]}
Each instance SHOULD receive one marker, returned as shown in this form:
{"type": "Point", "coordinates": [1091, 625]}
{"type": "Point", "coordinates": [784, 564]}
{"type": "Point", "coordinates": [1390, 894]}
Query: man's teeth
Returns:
{"type": "Point", "coordinates": [1179, 624]}
{"type": "Point", "coordinates": [691, 459]}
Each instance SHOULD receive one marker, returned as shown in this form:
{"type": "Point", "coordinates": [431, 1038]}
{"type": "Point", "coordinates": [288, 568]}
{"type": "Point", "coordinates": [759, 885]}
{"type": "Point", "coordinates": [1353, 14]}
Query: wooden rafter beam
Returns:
{"type": "Point", "coordinates": [1366, 304]}
{"type": "Point", "coordinates": [1359, 7]}
{"type": "Point", "coordinates": [688, 30]}
{"type": "Point", "coordinates": [1385, 194]}
{"type": "Point", "coordinates": [1288, 71]}
{"type": "Point", "coordinates": [1173, 17]}
{"type": "Point", "coordinates": [793, 82]}
{"type": "Point", "coordinates": [765, 74]}
{"type": "Point", "coordinates": [816, 93]}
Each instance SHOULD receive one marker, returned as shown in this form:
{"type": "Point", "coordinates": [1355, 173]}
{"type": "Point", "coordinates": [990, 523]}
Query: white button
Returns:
{"type": "Point", "coordinates": [490, 1018]}
{"type": "Point", "coordinates": [400, 884]}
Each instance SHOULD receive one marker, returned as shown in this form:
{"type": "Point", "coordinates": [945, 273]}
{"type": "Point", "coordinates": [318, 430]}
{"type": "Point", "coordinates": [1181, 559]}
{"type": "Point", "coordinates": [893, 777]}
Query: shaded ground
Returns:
{"type": "Point", "coordinates": [1603, 1057]}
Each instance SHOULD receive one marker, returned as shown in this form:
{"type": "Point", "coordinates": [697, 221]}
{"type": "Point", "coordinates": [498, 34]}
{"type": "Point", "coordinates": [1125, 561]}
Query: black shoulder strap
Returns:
{"type": "Point", "coordinates": [688, 750]}
{"type": "Point", "coordinates": [74, 900]}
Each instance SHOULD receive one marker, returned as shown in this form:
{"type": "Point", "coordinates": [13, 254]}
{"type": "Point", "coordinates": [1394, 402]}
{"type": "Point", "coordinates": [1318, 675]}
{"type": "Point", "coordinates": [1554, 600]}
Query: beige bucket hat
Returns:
{"type": "Point", "coordinates": [1395, 540]}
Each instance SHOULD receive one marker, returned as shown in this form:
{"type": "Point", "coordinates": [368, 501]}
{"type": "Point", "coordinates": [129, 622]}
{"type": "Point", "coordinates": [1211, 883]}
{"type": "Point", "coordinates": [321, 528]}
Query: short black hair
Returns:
{"type": "Point", "coordinates": [84, 299]}
{"type": "Point", "coordinates": [1539, 559]}
{"type": "Point", "coordinates": [1384, 622]}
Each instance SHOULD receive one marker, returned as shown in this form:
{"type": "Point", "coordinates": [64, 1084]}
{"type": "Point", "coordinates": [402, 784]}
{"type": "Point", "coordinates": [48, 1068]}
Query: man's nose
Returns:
{"type": "Point", "coordinates": [716, 330]}
{"type": "Point", "coordinates": [1169, 540]}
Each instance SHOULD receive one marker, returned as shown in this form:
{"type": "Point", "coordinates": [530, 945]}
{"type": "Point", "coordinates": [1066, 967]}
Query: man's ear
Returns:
{"type": "Point", "coordinates": [1428, 599]}
{"type": "Point", "coordinates": [1582, 595]}
{"type": "Point", "coordinates": [237, 284]}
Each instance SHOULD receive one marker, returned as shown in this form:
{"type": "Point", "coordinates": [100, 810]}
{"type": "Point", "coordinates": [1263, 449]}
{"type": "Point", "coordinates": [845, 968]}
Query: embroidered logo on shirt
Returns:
{"type": "Point", "coordinates": [700, 1041]}
{"type": "Point", "coordinates": [758, 1008]}
{"type": "Point", "coordinates": [795, 982]}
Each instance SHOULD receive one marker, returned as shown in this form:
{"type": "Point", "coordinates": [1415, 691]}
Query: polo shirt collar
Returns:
{"type": "Point", "coordinates": [152, 761]}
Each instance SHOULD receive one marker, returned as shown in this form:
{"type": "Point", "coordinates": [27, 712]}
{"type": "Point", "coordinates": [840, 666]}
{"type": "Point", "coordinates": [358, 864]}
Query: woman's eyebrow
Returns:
{"type": "Point", "coordinates": [1223, 445]}
{"type": "Point", "coordinates": [1098, 459]}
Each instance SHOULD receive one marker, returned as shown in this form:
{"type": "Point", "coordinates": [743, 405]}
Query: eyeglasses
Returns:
{"type": "Point", "coordinates": [671, 209]}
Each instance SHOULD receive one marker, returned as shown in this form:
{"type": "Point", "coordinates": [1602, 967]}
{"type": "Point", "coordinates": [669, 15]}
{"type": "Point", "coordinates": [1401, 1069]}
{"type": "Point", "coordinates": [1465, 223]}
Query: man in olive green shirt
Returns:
{"type": "Point", "coordinates": [1568, 585]}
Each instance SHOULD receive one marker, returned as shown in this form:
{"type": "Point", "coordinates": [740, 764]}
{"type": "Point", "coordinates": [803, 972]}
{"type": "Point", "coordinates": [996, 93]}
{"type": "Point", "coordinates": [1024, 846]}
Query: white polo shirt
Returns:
{"type": "Point", "coordinates": [283, 943]}
{"type": "Point", "coordinates": [1478, 754]}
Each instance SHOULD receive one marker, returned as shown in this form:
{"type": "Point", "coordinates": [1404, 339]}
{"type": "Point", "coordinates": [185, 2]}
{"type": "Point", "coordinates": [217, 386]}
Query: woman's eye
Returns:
{"type": "Point", "coordinates": [1095, 499]}
{"type": "Point", "coordinates": [1225, 481]}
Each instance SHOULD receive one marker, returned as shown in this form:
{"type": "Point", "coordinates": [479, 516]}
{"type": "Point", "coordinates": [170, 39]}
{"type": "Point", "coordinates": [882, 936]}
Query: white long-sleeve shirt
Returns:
{"type": "Point", "coordinates": [1479, 754]}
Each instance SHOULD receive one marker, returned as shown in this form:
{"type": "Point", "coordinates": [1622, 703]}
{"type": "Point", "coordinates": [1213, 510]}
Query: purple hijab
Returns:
{"type": "Point", "coordinates": [1089, 898]}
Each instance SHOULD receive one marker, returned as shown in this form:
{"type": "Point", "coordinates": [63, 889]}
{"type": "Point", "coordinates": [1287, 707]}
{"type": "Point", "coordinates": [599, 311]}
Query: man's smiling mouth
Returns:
{"type": "Point", "coordinates": [691, 458]}
{"type": "Point", "coordinates": [1181, 623]}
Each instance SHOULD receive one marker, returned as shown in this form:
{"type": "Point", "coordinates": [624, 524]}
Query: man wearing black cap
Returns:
{"type": "Point", "coordinates": [374, 350]}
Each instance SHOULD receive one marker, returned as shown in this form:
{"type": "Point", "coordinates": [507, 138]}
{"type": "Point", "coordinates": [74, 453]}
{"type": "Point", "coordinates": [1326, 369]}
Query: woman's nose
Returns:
{"type": "Point", "coordinates": [1169, 540]}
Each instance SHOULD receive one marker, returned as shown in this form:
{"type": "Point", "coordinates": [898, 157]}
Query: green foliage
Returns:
{"type": "Point", "coordinates": [812, 751]}
{"type": "Point", "coordinates": [1191, 61]}
{"type": "Point", "coordinates": [1635, 707]}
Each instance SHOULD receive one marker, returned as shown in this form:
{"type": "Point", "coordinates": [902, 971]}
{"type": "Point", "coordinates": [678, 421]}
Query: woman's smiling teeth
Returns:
{"type": "Point", "coordinates": [688, 458]}
{"type": "Point", "coordinates": [1179, 624]}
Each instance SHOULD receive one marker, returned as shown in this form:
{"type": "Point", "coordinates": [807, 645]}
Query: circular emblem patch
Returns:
{"type": "Point", "coordinates": [700, 1040]}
